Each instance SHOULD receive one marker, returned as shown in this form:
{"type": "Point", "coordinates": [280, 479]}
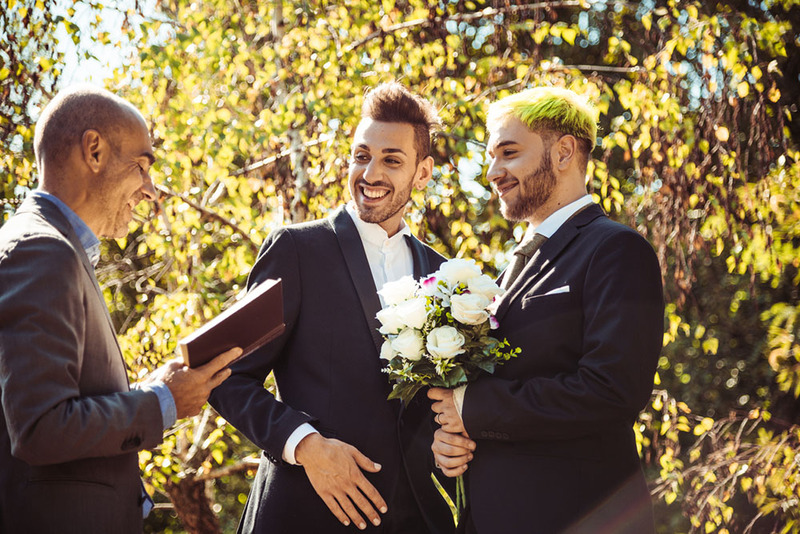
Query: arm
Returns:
{"type": "Point", "coordinates": [242, 398]}
{"type": "Point", "coordinates": [54, 412]}
{"type": "Point", "coordinates": [621, 340]}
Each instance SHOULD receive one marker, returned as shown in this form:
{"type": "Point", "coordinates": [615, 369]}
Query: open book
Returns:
{"type": "Point", "coordinates": [250, 323]}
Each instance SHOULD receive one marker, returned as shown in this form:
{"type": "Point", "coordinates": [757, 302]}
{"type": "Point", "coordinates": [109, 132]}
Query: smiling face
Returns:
{"type": "Point", "coordinates": [384, 170]}
{"type": "Point", "coordinates": [520, 169]}
{"type": "Point", "coordinates": [126, 179]}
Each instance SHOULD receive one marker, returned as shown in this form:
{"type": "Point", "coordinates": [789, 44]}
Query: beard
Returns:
{"type": "Point", "coordinates": [379, 214]}
{"type": "Point", "coordinates": [534, 191]}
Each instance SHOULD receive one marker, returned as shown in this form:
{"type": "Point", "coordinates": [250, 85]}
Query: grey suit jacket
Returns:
{"type": "Point", "coordinates": [70, 428]}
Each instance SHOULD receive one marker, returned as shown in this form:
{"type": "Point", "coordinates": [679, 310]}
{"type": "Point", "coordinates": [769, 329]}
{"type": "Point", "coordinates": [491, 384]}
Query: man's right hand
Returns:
{"type": "Point", "coordinates": [190, 388]}
{"type": "Point", "coordinates": [452, 452]}
{"type": "Point", "coordinates": [334, 470]}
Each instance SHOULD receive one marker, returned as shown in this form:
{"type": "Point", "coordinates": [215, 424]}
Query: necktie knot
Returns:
{"type": "Point", "coordinates": [528, 246]}
{"type": "Point", "coordinates": [522, 254]}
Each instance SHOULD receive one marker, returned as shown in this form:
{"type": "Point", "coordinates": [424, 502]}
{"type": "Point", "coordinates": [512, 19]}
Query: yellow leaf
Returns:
{"type": "Point", "coordinates": [743, 89]}
{"type": "Point", "coordinates": [722, 134]}
{"type": "Point", "coordinates": [217, 455]}
{"type": "Point", "coordinates": [4, 72]}
{"type": "Point", "coordinates": [569, 35]}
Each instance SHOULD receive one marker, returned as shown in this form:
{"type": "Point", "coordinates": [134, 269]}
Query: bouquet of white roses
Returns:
{"type": "Point", "coordinates": [436, 330]}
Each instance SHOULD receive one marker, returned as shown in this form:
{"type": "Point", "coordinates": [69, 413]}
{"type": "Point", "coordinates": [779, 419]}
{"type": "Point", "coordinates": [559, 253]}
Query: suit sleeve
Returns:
{"type": "Point", "coordinates": [52, 415]}
{"type": "Point", "coordinates": [621, 340]}
{"type": "Point", "coordinates": [242, 399]}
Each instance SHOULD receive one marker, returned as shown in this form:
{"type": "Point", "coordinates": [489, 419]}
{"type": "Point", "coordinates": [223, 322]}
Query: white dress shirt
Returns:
{"type": "Point", "coordinates": [389, 259]}
{"type": "Point", "coordinates": [547, 228]}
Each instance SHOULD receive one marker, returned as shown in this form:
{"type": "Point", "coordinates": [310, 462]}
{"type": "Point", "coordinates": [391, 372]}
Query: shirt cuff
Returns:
{"type": "Point", "coordinates": [458, 399]}
{"type": "Point", "coordinates": [169, 413]}
{"type": "Point", "coordinates": [294, 439]}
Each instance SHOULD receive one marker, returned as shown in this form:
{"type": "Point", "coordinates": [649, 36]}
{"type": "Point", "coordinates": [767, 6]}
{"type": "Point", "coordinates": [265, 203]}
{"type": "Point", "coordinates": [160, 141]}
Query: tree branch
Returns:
{"type": "Point", "coordinates": [208, 213]}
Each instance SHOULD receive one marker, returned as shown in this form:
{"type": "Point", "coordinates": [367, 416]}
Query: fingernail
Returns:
{"type": "Point", "coordinates": [362, 526]}
{"type": "Point", "coordinates": [377, 465]}
{"type": "Point", "coordinates": [384, 510]}
{"type": "Point", "coordinates": [470, 457]}
{"type": "Point", "coordinates": [346, 523]}
{"type": "Point", "coordinates": [376, 521]}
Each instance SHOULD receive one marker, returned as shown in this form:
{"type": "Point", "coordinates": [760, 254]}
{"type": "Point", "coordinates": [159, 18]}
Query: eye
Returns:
{"type": "Point", "coordinates": [508, 152]}
{"type": "Point", "coordinates": [393, 161]}
{"type": "Point", "coordinates": [360, 157]}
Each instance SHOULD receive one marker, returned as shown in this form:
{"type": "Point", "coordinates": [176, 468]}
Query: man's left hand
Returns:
{"type": "Point", "coordinates": [447, 415]}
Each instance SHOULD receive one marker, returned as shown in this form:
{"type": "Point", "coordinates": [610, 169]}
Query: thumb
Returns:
{"type": "Point", "coordinates": [365, 463]}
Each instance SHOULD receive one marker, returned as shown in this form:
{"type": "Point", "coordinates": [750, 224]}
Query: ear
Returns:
{"type": "Point", "coordinates": [424, 173]}
{"type": "Point", "coordinates": [95, 150]}
{"type": "Point", "coordinates": [565, 151]}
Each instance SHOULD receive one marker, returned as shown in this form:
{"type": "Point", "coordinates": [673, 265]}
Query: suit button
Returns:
{"type": "Point", "coordinates": [492, 435]}
{"type": "Point", "coordinates": [505, 436]}
{"type": "Point", "coordinates": [484, 434]}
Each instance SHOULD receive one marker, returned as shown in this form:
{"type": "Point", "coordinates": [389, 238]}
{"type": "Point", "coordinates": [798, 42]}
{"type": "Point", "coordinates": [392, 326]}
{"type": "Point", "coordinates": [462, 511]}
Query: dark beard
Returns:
{"type": "Point", "coordinates": [534, 190]}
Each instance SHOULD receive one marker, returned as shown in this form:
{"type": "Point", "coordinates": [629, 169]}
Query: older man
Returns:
{"type": "Point", "coordinates": [71, 426]}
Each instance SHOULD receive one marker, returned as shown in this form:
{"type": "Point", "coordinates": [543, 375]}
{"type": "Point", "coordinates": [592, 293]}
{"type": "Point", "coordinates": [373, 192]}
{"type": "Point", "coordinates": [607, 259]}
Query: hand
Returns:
{"type": "Point", "coordinates": [334, 469]}
{"type": "Point", "coordinates": [190, 388]}
{"type": "Point", "coordinates": [452, 452]}
{"type": "Point", "coordinates": [447, 415]}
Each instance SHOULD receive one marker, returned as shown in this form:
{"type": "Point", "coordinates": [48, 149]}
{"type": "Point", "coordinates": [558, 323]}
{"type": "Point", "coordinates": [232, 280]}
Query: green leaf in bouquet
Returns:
{"type": "Point", "coordinates": [457, 377]}
{"type": "Point", "coordinates": [405, 391]}
{"type": "Point", "coordinates": [487, 365]}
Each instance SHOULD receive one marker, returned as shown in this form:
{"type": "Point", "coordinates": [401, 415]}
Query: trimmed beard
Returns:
{"type": "Point", "coordinates": [534, 191]}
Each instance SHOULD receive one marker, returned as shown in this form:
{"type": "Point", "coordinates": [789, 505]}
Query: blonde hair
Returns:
{"type": "Point", "coordinates": [551, 109]}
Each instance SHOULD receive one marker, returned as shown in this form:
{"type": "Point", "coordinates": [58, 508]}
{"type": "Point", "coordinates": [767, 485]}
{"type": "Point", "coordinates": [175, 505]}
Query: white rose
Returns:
{"type": "Point", "coordinates": [445, 342]}
{"type": "Point", "coordinates": [469, 308]}
{"type": "Point", "coordinates": [391, 323]}
{"type": "Point", "coordinates": [412, 312]}
{"type": "Point", "coordinates": [409, 344]}
{"type": "Point", "coordinates": [458, 271]}
{"type": "Point", "coordinates": [387, 352]}
{"type": "Point", "coordinates": [430, 288]}
{"type": "Point", "coordinates": [398, 291]}
{"type": "Point", "coordinates": [484, 285]}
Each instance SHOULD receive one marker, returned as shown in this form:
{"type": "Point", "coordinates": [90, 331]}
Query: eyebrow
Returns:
{"type": "Point", "coordinates": [385, 150]}
{"type": "Point", "coordinates": [150, 157]}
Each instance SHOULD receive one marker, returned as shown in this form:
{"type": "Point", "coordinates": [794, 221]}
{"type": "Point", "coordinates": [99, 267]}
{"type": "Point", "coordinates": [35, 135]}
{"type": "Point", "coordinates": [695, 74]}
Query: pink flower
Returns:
{"type": "Point", "coordinates": [494, 324]}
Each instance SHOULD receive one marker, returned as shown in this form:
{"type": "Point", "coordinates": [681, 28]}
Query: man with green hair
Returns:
{"type": "Point", "coordinates": [549, 437]}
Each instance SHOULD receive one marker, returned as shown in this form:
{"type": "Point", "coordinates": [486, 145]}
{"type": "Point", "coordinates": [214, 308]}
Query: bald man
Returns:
{"type": "Point", "coordinates": [71, 426]}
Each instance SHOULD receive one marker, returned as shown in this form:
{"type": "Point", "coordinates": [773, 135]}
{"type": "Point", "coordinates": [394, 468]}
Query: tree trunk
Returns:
{"type": "Point", "coordinates": [193, 506]}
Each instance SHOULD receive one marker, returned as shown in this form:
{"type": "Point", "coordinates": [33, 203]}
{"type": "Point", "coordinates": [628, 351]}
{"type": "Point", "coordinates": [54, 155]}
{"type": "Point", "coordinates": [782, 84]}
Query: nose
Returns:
{"type": "Point", "coordinates": [495, 171]}
{"type": "Point", "coordinates": [148, 189]}
{"type": "Point", "coordinates": [371, 172]}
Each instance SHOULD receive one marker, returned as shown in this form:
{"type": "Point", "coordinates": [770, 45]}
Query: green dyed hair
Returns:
{"type": "Point", "coordinates": [552, 109]}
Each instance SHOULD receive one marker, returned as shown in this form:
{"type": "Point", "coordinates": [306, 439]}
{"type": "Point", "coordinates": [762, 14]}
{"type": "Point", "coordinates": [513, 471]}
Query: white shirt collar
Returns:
{"type": "Point", "coordinates": [551, 224]}
{"type": "Point", "coordinates": [373, 233]}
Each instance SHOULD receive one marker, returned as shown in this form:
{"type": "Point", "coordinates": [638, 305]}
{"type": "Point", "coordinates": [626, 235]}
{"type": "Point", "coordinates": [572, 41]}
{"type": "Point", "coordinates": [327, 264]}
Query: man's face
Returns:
{"type": "Point", "coordinates": [126, 179]}
{"type": "Point", "coordinates": [383, 172]}
{"type": "Point", "coordinates": [520, 168]}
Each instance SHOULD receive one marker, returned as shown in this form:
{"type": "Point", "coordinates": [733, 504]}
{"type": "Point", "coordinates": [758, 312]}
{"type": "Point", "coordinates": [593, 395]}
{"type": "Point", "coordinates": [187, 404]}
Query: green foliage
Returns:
{"type": "Point", "coordinates": [253, 104]}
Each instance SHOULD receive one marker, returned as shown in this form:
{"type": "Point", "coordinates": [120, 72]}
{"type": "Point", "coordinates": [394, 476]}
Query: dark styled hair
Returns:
{"type": "Point", "coordinates": [392, 102]}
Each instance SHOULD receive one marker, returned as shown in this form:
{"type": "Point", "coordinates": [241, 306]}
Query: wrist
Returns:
{"type": "Point", "coordinates": [305, 448]}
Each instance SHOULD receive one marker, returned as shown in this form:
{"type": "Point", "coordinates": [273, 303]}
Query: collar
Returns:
{"type": "Point", "coordinates": [551, 224]}
{"type": "Point", "coordinates": [88, 240]}
{"type": "Point", "coordinates": [372, 233]}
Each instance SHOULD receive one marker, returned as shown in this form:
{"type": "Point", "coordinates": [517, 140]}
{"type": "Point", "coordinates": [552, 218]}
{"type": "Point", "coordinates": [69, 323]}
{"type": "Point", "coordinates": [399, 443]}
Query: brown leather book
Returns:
{"type": "Point", "coordinates": [250, 323]}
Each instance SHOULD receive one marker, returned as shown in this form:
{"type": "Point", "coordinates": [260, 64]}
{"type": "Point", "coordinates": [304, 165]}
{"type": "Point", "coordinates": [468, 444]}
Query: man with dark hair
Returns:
{"type": "Point", "coordinates": [547, 442]}
{"type": "Point", "coordinates": [336, 451]}
{"type": "Point", "coordinates": [70, 426]}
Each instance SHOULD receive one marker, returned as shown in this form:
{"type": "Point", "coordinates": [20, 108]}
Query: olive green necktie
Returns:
{"type": "Point", "coordinates": [522, 254]}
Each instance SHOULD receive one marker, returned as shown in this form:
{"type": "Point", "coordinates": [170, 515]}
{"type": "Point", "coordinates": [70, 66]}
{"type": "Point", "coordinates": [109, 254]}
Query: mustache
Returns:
{"type": "Point", "coordinates": [379, 183]}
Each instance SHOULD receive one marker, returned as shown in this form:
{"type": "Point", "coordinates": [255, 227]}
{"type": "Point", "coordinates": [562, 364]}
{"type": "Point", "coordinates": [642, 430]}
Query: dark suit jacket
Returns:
{"type": "Point", "coordinates": [328, 373]}
{"type": "Point", "coordinates": [553, 427]}
{"type": "Point", "coordinates": [69, 428]}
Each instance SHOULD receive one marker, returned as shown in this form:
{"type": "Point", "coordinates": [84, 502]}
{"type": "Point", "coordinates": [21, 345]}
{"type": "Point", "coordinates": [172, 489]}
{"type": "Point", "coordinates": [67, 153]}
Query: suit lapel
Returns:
{"type": "Point", "coordinates": [546, 255]}
{"type": "Point", "coordinates": [358, 266]}
{"type": "Point", "coordinates": [422, 266]}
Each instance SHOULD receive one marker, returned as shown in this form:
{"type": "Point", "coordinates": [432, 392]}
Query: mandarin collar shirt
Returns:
{"type": "Point", "coordinates": [89, 241]}
{"type": "Point", "coordinates": [389, 257]}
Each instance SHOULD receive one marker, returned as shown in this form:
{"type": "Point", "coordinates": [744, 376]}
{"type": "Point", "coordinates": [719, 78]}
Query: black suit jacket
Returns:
{"type": "Point", "coordinates": [555, 444]}
{"type": "Point", "coordinates": [328, 373]}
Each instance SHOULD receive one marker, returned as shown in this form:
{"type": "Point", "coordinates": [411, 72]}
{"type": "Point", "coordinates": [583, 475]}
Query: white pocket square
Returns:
{"type": "Point", "coordinates": [556, 291]}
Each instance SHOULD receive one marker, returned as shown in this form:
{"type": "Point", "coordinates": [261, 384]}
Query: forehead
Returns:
{"type": "Point", "coordinates": [508, 130]}
{"type": "Point", "coordinates": [135, 138]}
{"type": "Point", "coordinates": [377, 136]}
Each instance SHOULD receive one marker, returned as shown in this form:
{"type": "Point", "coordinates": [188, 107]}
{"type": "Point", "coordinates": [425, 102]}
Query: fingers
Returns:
{"type": "Point", "coordinates": [220, 362]}
{"type": "Point", "coordinates": [364, 462]}
{"type": "Point", "coordinates": [452, 452]}
{"type": "Point", "coordinates": [439, 393]}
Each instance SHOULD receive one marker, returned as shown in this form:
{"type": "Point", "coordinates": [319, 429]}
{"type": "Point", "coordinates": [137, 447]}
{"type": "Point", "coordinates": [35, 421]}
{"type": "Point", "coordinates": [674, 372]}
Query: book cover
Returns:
{"type": "Point", "coordinates": [250, 323]}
